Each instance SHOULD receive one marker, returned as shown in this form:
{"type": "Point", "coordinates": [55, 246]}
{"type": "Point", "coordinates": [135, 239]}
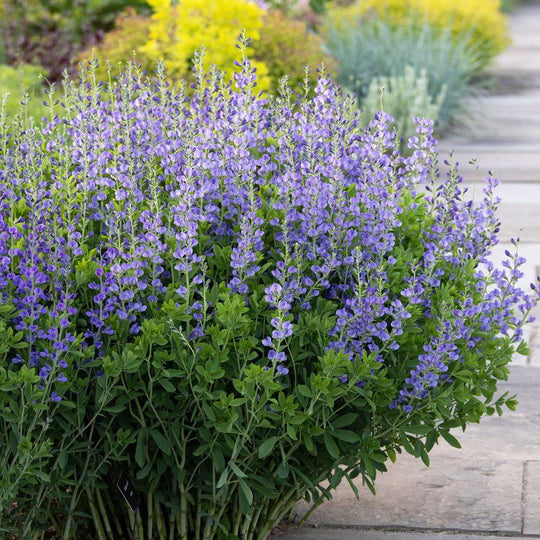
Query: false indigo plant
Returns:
{"type": "Point", "coordinates": [237, 301]}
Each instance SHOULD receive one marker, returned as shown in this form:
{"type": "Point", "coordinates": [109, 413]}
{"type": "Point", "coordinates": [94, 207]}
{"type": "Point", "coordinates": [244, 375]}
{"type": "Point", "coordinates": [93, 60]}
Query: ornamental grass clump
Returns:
{"type": "Point", "coordinates": [371, 49]}
{"type": "Point", "coordinates": [233, 302]}
{"type": "Point", "coordinates": [405, 98]}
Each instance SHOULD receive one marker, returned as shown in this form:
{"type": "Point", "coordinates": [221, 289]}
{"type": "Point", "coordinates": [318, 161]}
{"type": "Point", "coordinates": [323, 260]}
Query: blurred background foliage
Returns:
{"type": "Point", "coordinates": [50, 32]}
{"type": "Point", "coordinates": [479, 23]}
{"type": "Point", "coordinates": [430, 55]}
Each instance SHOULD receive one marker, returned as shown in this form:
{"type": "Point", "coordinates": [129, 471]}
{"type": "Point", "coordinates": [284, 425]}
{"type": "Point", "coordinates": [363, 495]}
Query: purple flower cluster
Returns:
{"type": "Point", "coordinates": [124, 201]}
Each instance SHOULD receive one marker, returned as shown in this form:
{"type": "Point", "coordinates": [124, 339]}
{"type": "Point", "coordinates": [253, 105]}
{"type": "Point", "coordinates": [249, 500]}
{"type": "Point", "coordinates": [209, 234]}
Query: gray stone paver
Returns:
{"type": "Point", "coordinates": [454, 493]}
{"type": "Point", "coordinates": [362, 534]}
{"type": "Point", "coordinates": [531, 510]}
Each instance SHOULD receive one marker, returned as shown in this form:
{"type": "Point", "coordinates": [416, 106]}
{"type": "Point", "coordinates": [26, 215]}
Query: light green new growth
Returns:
{"type": "Point", "coordinates": [403, 97]}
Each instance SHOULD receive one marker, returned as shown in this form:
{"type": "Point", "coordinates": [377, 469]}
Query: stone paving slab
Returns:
{"type": "Point", "coordinates": [360, 534]}
{"type": "Point", "coordinates": [454, 493]}
{"type": "Point", "coordinates": [462, 145]}
{"type": "Point", "coordinates": [504, 171]}
{"type": "Point", "coordinates": [499, 158]}
{"type": "Point", "coordinates": [478, 488]}
{"type": "Point", "coordinates": [520, 220]}
{"type": "Point", "coordinates": [532, 498]}
{"type": "Point", "coordinates": [497, 133]}
{"type": "Point", "coordinates": [507, 107]}
{"type": "Point", "coordinates": [534, 345]}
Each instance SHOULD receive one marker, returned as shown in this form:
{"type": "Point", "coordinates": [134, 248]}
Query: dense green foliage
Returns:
{"type": "Point", "coordinates": [17, 81]}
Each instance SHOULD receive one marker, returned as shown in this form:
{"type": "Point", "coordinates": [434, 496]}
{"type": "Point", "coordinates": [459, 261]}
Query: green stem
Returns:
{"type": "Point", "coordinates": [254, 522]}
{"type": "Point", "coordinates": [314, 507]}
{"type": "Point", "coordinates": [236, 516]}
{"type": "Point", "coordinates": [111, 506]}
{"type": "Point", "coordinates": [150, 524]}
{"type": "Point", "coordinates": [162, 529]}
{"type": "Point", "coordinates": [183, 513]}
{"type": "Point", "coordinates": [198, 517]}
{"type": "Point", "coordinates": [207, 533]}
{"type": "Point", "coordinates": [173, 514]}
{"type": "Point", "coordinates": [95, 517]}
{"type": "Point", "coordinates": [246, 525]}
{"type": "Point", "coordinates": [104, 513]}
{"type": "Point", "coordinates": [280, 509]}
{"type": "Point", "coordinates": [140, 528]}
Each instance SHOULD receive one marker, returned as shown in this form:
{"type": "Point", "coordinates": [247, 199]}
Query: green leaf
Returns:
{"type": "Point", "coordinates": [406, 443]}
{"type": "Point", "coordinates": [222, 479]}
{"type": "Point", "coordinates": [143, 473]}
{"type": "Point", "coordinates": [369, 466]}
{"type": "Point", "coordinates": [236, 470]}
{"type": "Point", "coordinates": [346, 435]}
{"type": "Point", "coordinates": [450, 439]}
{"type": "Point", "coordinates": [167, 385]}
{"type": "Point", "coordinates": [523, 349]}
{"type": "Point", "coordinates": [331, 446]}
{"type": "Point", "coordinates": [140, 449]}
{"type": "Point", "coordinates": [345, 420]}
{"type": "Point", "coordinates": [267, 446]}
{"type": "Point", "coordinates": [161, 442]}
{"type": "Point", "coordinates": [418, 429]}
{"type": "Point", "coordinates": [305, 391]}
{"type": "Point", "coordinates": [245, 490]}
{"type": "Point", "coordinates": [291, 432]}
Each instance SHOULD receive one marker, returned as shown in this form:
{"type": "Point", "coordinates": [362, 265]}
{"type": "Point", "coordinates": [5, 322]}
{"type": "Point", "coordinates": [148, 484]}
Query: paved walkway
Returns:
{"type": "Point", "coordinates": [491, 487]}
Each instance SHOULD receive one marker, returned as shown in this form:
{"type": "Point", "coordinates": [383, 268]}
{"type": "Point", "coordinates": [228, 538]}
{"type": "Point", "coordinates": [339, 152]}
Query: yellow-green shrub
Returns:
{"type": "Point", "coordinates": [178, 31]}
{"type": "Point", "coordinates": [122, 44]}
{"type": "Point", "coordinates": [286, 47]}
{"type": "Point", "coordinates": [479, 21]}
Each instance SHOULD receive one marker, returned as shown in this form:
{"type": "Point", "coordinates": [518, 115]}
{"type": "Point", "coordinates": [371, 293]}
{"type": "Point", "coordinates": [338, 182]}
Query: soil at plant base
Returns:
{"type": "Point", "coordinates": [285, 525]}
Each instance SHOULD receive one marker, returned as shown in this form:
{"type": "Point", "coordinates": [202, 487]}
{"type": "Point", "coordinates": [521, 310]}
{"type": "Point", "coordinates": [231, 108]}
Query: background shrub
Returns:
{"type": "Point", "coordinates": [178, 31]}
{"type": "Point", "coordinates": [15, 81]}
{"type": "Point", "coordinates": [286, 48]}
{"type": "Point", "coordinates": [283, 47]}
{"type": "Point", "coordinates": [405, 98]}
{"type": "Point", "coordinates": [122, 44]}
{"type": "Point", "coordinates": [479, 22]}
{"type": "Point", "coordinates": [51, 32]}
{"type": "Point", "coordinates": [369, 49]}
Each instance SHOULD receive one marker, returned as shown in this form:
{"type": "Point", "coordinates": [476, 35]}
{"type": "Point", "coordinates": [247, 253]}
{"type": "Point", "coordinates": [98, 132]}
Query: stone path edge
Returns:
{"type": "Point", "coordinates": [292, 532]}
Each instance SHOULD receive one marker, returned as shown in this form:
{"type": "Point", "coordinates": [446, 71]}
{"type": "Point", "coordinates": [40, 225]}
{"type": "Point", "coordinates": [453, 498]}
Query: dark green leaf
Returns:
{"type": "Point", "coordinates": [331, 446]}
{"type": "Point", "coordinates": [267, 446]}
{"type": "Point", "coordinates": [161, 441]}
{"type": "Point", "coordinates": [450, 439]}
